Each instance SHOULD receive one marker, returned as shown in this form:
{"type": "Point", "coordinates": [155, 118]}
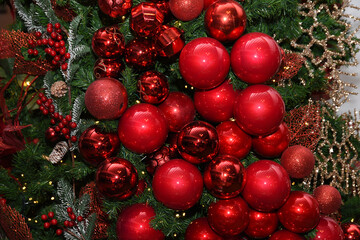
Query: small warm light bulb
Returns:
{"type": "Point", "coordinates": [50, 182]}
{"type": "Point", "coordinates": [22, 175]}
{"type": "Point", "coordinates": [97, 122]}
{"type": "Point", "coordinates": [177, 215]}
{"type": "Point", "coordinates": [184, 214]}
{"type": "Point", "coordinates": [137, 101]}
{"type": "Point", "coordinates": [36, 221]}
{"type": "Point", "coordinates": [52, 198]}
{"type": "Point", "coordinates": [29, 219]}
{"type": "Point", "coordinates": [30, 198]}
{"type": "Point", "coordinates": [23, 188]}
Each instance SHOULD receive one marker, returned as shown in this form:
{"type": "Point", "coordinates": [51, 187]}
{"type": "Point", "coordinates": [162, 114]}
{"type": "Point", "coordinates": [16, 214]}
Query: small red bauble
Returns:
{"type": "Point", "coordinates": [216, 105]}
{"type": "Point", "coordinates": [107, 67]}
{"type": "Point", "coordinates": [178, 109]}
{"type": "Point", "coordinates": [115, 8]}
{"type": "Point", "coordinates": [267, 185]}
{"type": "Point", "coordinates": [143, 128]}
{"type": "Point", "coordinates": [255, 57]}
{"type": "Point", "coordinates": [328, 197]}
{"type": "Point", "coordinates": [134, 223]}
{"type": "Point", "coordinates": [186, 10]}
{"type": "Point", "coordinates": [157, 159]}
{"type": "Point", "coordinates": [259, 110]}
{"type": "Point", "coordinates": [228, 217]}
{"type": "Point", "coordinates": [169, 41]}
{"type": "Point", "coordinates": [286, 235]}
{"type": "Point", "coordinates": [177, 184]}
{"type": "Point", "coordinates": [298, 161]}
{"type": "Point", "coordinates": [153, 87]}
{"type": "Point", "coordinates": [351, 231]}
{"type": "Point", "coordinates": [225, 177]}
{"type": "Point", "coordinates": [140, 53]}
{"type": "Point", "coordinates": [116, 178]}
{"type": "Point", "coordinates": [108, 42]}
{"type": "Point", "coordinates": [204, 63]}
{"type": "Point", "coordinates": [106, 98]}
{"type": "Point", "coordinates": [300, 213]}
{"type": "Point", "coordinates": [198, 142]}
{"type": "Point", "coordinates": [199, 229]}
{"type": "Point", "coordinates": [261, 224]}
{"type": "Point", "coordinates": [328, 229]}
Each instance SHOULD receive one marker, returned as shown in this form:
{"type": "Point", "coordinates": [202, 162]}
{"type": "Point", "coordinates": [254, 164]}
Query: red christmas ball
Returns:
{"type": "Point", "coordinates": [199, 229]}
{"type": "Point", "coordinates": [261, 224]}
{"type": "Point", "coordinates": [140, 53]}
{"type": "Point", "coordinates": [204, 63]}
{"type": "Point", "coordinates": [351, 231]}
{"type": "Point", "coordinates": [228, 217]}
{"type": "Point", "coordinates": [134, 223]}
{"type": "Point", "coordinates": [198, 142]}
{"type": "Point", "coordinates": [177, 184]}
{"type": "Point", "coordinates": [96, 145]}
{"type": "Point", "coordinates": [285, 235]}
{"type": "Point", "coordinates": [267, 185]}
{"type": "Point", "coordinates": [328, 197]}
{"type": "Point", "coordinates": [143, 128]}
{"type": "Point", "coordinates": [225, 177]}
{"type": "Point", "coordinates": [259, 110]}
{"type": "Point", "coordinates": [107, 67]}
{"type": "Point", "coordinates": [108, 42]}
{"type": "Point", "coordinates": [273, 145]}
{"type": "Point", "coordinates": [153, 87]}
{"type": "Point", "coordinates": [115, 8]}
{"type": "Point", "coordinates": [232, 140]}
{"type": "Point", "coordinates": [178, 109]}
{"type": "Point", "coordinates": [300, 213]}
{"type": "Point", "coordinates": [255, 57]}
{"type": "Point", "coordinates": [328, 229]}
{"type": "Point", "coordinates": [207, 3]}
{"type": "Point", "coordinates": [216, 105]}
{"type": "Point", "coordinates": [169, 41]}
{"type": "Point", "coordinates": [106, 98]}
{"type": "Point", "coordinates": [116, 178]}
{"type": "Point", "coordinates": [164, 8]}
{"type": "Point", "coordinates": [186, 10]}
{"type": "Point", "coordinates": [157, 159]}
{"type": "Point", "coordinates": [298, 161]}
{"type": "Point", "coordinates": [225, 20]}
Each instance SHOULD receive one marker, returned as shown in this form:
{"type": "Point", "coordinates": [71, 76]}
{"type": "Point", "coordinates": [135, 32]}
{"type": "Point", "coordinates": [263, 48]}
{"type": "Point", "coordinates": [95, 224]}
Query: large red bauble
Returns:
{"type": "Point", "coordinates": [140, 53]}
{"type": "Point", "coordinates": [115, 8]}
{"type": "Point", "coordinates": [207, 3]}
{"type": "Point", "coordinates": [228, 217]}
{"type": "Point", "coordinates": [300, 213]}
{"type": "Point", "coordinates": [328, 229]}
{"type": "Point", "coordinates": [216, 105]}
{"type": "Point", "coordinates": [169, 41]}
{"type": "Point", "coordinates": [108, 42]}
{"type": "Point", "coordinates": [225, 20]}
{"type": "Point", "coordinates": [178, 109]}
{"type": "Point", "coordinates": [267, 185]}
{"type": "Point", "coordinates": [177, 184]}
{"type": "Point", "coordinates": [274, 144]}
{"type": "Point", "coordinates": [143, 128]}
{"type": "Point", "coordinates": [95, 145]}
{"type": "Point", "coordinates": [116, 178]}
{"type": "Point", "coordinates": [199, 229]}
{"type": "Point", "coordinates": [225, 177]}
{"type": "Point", "coordinates": [233, 141]}
{"type": "Point", "coordinates": [328, 197]}
{"type": "Point", "coordinates": [261, 224]}
{"type": "Point", "coordinates": [107, 67]}
{"type": "Point", "coordinates": [153, 87]}
{"type": "Point", "coordinates": [286, 235]}
{"type": "Point", "coordinates": [134, 223]}
{"type": "Point", "coordinates": [259, 110]}
{"type": "Point", "coordinates": [198, 142]}
{"type": "Point", "coordinates": [106, 98]}
{"type": "Point", "coordinates": [298, 161]}
{"type": "Point", "coordinates": [351, 231]}
{"type": "Point", "coordinates": [255, 57]}
{"type": "Point", "coordinates": [186, 10]}
{"type": "Point", "coordinates": [204, 63]}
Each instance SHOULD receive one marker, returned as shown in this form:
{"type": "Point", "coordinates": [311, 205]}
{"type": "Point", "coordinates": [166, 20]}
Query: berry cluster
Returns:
{"type": "Point", "coordinates": [2, 201]}
{"type": "Point", "coordinates": [73, 218]}
{"type": "Point", "coordinates": [52, 222]}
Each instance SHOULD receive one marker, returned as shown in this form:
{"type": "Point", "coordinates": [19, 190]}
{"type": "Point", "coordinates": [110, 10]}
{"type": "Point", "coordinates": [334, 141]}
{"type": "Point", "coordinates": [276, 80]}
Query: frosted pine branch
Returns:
{"type": "Point", "coordinates": [45, 5]}
{"type": "Point", "coordinates": [28, 18]}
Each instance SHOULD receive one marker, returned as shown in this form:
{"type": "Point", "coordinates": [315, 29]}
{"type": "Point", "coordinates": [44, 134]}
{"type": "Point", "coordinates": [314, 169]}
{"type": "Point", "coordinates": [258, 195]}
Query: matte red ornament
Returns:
{"type": "Point", "coordinates": [116, 178]}
{"type": "Point", "coordinates": [228, 217]}
{"type": "Point", "coordinates": [153, 87]}
{"type": "Point", "coordinates": [255, 57]}
{"type": "Point", "coordinates": [199, 229]}
{"type": "Point", "coordinates": [351, 231]}
{"type": "Point", "coordinates": [225, 177]}
{"type": "Point", "coordinates": [177, 184]}
{"type": "Point", "coordinates": [267, 185]}
{"type": "Point", "coordinates": [225, 20]}
{"type": "Point", "coordinates": [186, 10]}
{"type": "Point", "coordinates": [140, 53]}
{"type": "Point", "coordinates": [328, 229]}
{"type": "Point", "coordinates": [261, 224]}
{"type": "Point", "coordinates": [108, 42]}
{"type": "Point", "coordinates": [298, 161]}
{"type": "Point", "coordinates": [115, 8]}
{"type": "Point", "coordinates": [106, 98]}
{"type": "Point", "coordinates": [143, 128]}
{"type": "Point", "coordinates": [207, 3]}
{"type": "Point", "coordinates": [300, 213]}
{"type": "Point", "coordinates": [259, 110]}
{"type": "Point", "coordinates": [285, 235]}
{"type": "Point", "coordinates": [198, 142]}
{"type": "Point", "coordinates": [216, 105]}
{"type": "Point", "coordinates": [107, 67]}
{"type": "Point", "coordinates": [169, 41]}
{"type": "Point", "coordinates": [329, 199]}
{"type": "Point", "coordinates": [204, 63]}
{"type": "Point", "coordinates": [96, 145]}
{"type": "Point", "coordinates": [134, 223]}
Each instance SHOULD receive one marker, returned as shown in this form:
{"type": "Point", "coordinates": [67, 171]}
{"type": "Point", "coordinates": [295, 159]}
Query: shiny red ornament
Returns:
{"type": "Point", "coordinates": [157, 159]}
{"type": "Point", "coordinates": [140, 53]}
{"type": "Point", "coordinates": [96, 145]}
{"type": "Point", "coordinates": [116, 178]}
{"type": "Point", "coordinates": [169, 41]}
{"type": "Point", "coordinates": [259, 110]}
{"type": "Point", "coordinates": [328, 229]}
{"type": "Point", "coordinates": [115, 8]}
{"type": "Point", "coordinates": [106, 98]}
{"type": "Point", "coordinates": [207, 3]}
{"type": "Point", "coordinates": [164, 8]}
{"type": "Point", "coordinates": [153, 87]}
{"type": "Point", "coordinates": [186, 10]}
{"type": "Point", "coordinates": [267, 185]}
{"type": "Point", "coordinates": [199, 229]}
{"type": "Point", "coordinates": [198, 142]}
{"type": "Point", "coordinates": [299, 161]}
{"type": "Point", "coordinates": [216, 105]}
{"type": "Point", "coordinates": [300, 213]}
{"type": "Point", "coordinates": [107, 67]}
{"type": "Point", "coordinates": [143, 128]}
{"type": "Point", "coordinates": [329, 199]}
{"type": "Point", "coordinates": [255, 57]}
{"type": "Point", "coordinates": [228, 217]}
{"type": "Point", "coordinates": [204, 63]}
{"type": "Point", "coordinates": [177, 184]}
{"type": "Point", "coordinates": [285, 235]}
{"type": "Point", "coordinates": [261, 224]}
{"type": "Point", "coordinates": [225, 177]}
{"type": "Point", "coordinates": [351, 231]}
{"type": "Point", "coordinates": [134, 223]}
{"type": "Point", "coordinates": [108, 42]}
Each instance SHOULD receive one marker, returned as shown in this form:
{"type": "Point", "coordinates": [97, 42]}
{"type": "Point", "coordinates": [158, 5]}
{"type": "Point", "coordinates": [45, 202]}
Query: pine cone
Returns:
{"type": "Point", "coordinates": [58, 89]}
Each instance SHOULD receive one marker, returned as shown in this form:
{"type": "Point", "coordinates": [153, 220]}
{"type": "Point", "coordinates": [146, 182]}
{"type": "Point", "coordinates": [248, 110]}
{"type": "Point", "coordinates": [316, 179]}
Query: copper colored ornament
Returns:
{"type": "Point", "coordinates": [105, 67]}
{"type": "Point", "coordinates": [329, 199]}
{"type": "Point", "coordinates": [328, 229]}
{"type": "Point", "coordinates": [140, 53]}
{"type": "Point", "coordinates": [108, 42]}
{"type": "Point", "coordinates": [169, 41]}
{"type": "Point", "coordinates": [261, 224]}
{"type": "Point", "coordinates": [351, 231]}
{"type": "Point", "coordinates": [286, 235]}
{"type": "Point", "coordinates": [186, 10]}
{"type": "Point", "coordinates": [156, 159]}
{"type": "Point", "coordinates": [298, 161]}
{"type": "Point", "coordinates": [153, 87]}
{"type": "Point", "coordinates": [115, 8]}
{"type": "Point", "coordinates": [199, 229]}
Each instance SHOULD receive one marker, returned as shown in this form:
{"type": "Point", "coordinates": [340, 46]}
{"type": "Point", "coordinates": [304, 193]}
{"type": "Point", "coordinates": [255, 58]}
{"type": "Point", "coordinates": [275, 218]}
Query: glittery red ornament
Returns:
{"type": "Point", "coordinates": [351, 231]}
{"type": "Point", "coordinates": [255, 57]}
{"type": "Point", "coordinates": [106, 98]}
{"type": "Point", "coordinates": [186, 10]}
{"type": "Point", "coordinates": [328, 197]}
{"type": "Point", "coordinates": [115, 8]}
{"type": "Point", "coordinates": [198, 142]}
{"type": "Point", "coordinates": [107, 67]}
{"type": "Point", "coordinates": [199, 229]}
{"type": "Point", "coordinates": [157, 159]}
{"type": "Point", "coordinates": [261, 224]}
{"type": "Point", "coordinates": [140, 53]}
{"type": "Point", "coordinates": [298, 161]}
{"type": "Point", "coordinates": [286, 235]}
{"type": "Point", "coordinates": [108, 42]}
{"type": "Point", "coordinates": [116, 178]}
{"type": "Point", "coordinates": [169, 41]}
{"type": "Point", "coordinates": [328, 229]}
{"type": "Point", "coordinates": [177, 184]}
{"type": "Point", "coordinates": [204, 63]}
{"type": "Point", "coordinates": [153, 87]}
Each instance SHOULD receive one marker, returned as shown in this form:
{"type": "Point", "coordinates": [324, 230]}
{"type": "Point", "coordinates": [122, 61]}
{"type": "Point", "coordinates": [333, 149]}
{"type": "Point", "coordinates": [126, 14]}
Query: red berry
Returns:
{"type": "Point", "coordinates": [50, 101]}
{"type": "Point", "coordinates": [51, 214]}
{"type": "Point", "coordinates": [47, 104]}
{"type": "Point", "coordinates": [62, 43]}
{"type": "Point", "coordinates": [80, 218]}
{"type": "Point", "coordinates": [65, 122]}
{"type": "Point", "coordinates": [53, 53]}
{"type": "Point", "coordinates": [71, 224]}
{"type": "Point", "coordinates": [47, 225]}
{"type": "Point", "coordinates": [59, 37]}
{"type": "Point", "coordinates": [38, 102]}
{"type": "Point", "coordinates": [49, 25]}
{"type": "Point", "coordinates": [36, 52]}
{"type": "Point", "coordinates": [58, 30]}
{"type": "Point", "coordinates": [47, 50]}
{"type": "Point", "coordinates": [65, 130]}
{"type": "Point", "coordinates": [52, 121]}
{"type": "Point", "coordinates": [57, 25]}
{"type": "Point", "coordinates": [41, 95]}
{"type": "Point", "coordinates": [64, 66]}
{"type": "Point", "coordinates": [61, 117]}
{"type": "Point", "coordinates": [44, 217]}
{"type": "Point", "coordinates": [2, 201]}
{"type": "Point", "coordinates": [73, 139]}
{"type": "Point", "coordinates": [72, 216]}
{"type": "Point", "coordinates": [49, 29]}
{"type": "Point", "coordinates": [72, 125]}
{"type": "Point", "coordinates": [53, 62]}
{"type": "Point", "coordinates": [53, 35]}
{"type": "Point", "coordinates": [51, 42]}
{"type": "Point", "coordinates": [44, 99]}
{"type": "Point", "coordinates": [62, 51]}
{"type": "Point", "coordinates": [67, 55]}
{"type": "Point", "coordinates": [44, 41]}
{"type": "Point", "coordinates": [53, 222]}
{"type": "Point", "coordinates": [39, 42]}
{"type": "Point", "coordinates": [45, 112]}
{"type": "Point", "coordinates": [31, 42]}
{"type": "Point", "coordinates": [52, 109]}
{"type": "Point", "coordinates": [41, 108]}
{"type": "Point", "coordinates": [68, 117]}
{"type": "Point", "coordinates": [57, 129]}
{"type": "Point", "coordinates": [30, 51]}
{"type": "Point", "coordinates": [59, 231]}
{"type": "Point", "coordinates": [56, 115]}
{"type": "Point", "coordinates": [67, 136]}
{"type": "Point", "coordinates": [61, 125]}
{"type": "Point", "coordinates": [66, 223]}
{"type": "Point", "coordinates": [57, 45]}
{"type": "Point", "coordinates": [69, 210]}
{"type": "Point", "coordinates": [38, 34]}
{"type": "Point", "coordinates": [57, 58]}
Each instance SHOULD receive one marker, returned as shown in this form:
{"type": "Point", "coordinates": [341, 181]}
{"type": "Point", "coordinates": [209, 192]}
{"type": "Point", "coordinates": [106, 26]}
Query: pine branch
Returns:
{"type": "Point", "coordinates": [29, 20]}
{"type": "Point", "coordinates": [45, 5]}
